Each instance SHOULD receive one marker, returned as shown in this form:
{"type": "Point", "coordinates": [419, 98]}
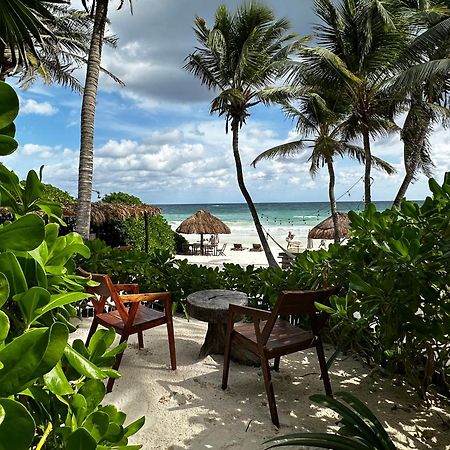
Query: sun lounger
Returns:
{"type": "Point", "coordinates": [256, 248]}
{"type": "Point", "coordinates": [237, 247]}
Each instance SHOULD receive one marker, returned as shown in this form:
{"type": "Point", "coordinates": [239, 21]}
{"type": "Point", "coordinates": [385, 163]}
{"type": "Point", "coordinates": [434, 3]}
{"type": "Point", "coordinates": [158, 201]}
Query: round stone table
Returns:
{"type": "Point", "coordinates": [212, 306]}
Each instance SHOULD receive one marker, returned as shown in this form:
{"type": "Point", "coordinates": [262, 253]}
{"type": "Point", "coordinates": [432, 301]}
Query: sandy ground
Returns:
{"type": "Point", "coordinates": [186, 408]}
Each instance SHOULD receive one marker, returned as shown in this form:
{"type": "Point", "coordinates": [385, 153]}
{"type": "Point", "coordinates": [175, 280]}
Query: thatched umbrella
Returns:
{"type": "Point", "coordinates": [325, 229]}
{"type": "Point", "coordinates": [202, 222]}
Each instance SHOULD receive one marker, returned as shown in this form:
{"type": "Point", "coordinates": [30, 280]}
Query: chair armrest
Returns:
{"type": "Point", "coordinates": [149, 297]}
{"type": "Point", "coordinates": [248, 311]}
{"type": "Point", "coordinates": [133, 287]}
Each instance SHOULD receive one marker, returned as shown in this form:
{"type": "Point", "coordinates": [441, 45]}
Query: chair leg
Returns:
{"type": "Point", "coordinates": [170, 335]}
{"type": "Point", "coordinates": [269, 391]}
{"type": "Point", "coordinates": [116, 365]}
{"type": "Point", "coordinates": [141, 339]}
{"type": "Point", "coordinates": [227, 356]}
{"type": "Point", "coordinates": [92, 330]}
{"type": "Point", "coordinates": [323, 368]}
{"type": "Point", "coordinates": [276, 364]}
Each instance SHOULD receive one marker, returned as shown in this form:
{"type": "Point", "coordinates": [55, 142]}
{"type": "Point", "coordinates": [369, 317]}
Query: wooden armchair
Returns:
{"type": "Point", "coordinates": [129, 320]}
{"type": "Point", "coordinates": [269, 336]}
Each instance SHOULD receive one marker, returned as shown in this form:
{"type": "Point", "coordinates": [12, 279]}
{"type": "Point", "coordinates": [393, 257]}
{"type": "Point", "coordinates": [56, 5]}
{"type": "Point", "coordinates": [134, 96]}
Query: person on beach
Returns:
{"type": "Point", "coordinates": [213, 240]}
{"type": "Point", "coordinates": [289, 237]}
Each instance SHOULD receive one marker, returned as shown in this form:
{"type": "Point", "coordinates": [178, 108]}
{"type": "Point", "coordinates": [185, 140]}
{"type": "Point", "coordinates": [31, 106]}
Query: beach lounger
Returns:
{"type": "Point", "coordinates": [268, 336]}
{"type": "Point", "coordinates": [256, 248]}
{"type": "Point", "coordinates": [237, 247]}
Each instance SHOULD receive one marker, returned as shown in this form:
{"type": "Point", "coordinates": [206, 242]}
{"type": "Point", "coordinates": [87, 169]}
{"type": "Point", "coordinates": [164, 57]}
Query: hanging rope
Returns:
{"type": "Point", "coordinates": [279, 245]}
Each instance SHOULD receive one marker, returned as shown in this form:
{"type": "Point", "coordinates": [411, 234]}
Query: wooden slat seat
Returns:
{"type": "Point", "coordinates": [269, 336]}
{"type": "Point", "coordinates": [130, 315]}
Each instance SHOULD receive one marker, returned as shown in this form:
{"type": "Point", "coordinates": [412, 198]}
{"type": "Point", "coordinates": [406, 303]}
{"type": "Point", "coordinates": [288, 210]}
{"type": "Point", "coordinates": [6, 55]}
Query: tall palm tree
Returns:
{"type": "Point", "coordinates": [321, 126]}
{"type": "Point", "coordinates": [99, 10]}
{"type": "Point", "coordinates": [428, 99]}
{"type": "Point", "coordinates": [239, 57]}
{"type": "Point", "coordinates": [359, 43]}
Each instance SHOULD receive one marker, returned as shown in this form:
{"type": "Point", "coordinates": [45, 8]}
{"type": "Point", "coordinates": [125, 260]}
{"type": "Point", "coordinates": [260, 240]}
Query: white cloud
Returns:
{"type": "Point", "coordinates": [31, 106]}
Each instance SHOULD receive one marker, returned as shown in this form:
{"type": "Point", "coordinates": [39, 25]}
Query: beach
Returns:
{"type": "Point", "coordinates": [187, 409]}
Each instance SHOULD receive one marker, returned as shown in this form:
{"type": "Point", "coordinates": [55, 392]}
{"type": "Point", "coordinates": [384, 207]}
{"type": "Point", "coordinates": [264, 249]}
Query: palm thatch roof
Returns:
{"type": "Point", "coordinates": [325, 229]}
{"type": "Point", "coordinates": [203, 222]}
{"type": "Point", "coordinates": [103, 212]}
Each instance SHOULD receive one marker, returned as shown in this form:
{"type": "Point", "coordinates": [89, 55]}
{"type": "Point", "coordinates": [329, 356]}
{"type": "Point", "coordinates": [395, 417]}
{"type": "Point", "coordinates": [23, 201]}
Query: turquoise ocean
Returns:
{"type": "Point", "coordinates": [277, 218]}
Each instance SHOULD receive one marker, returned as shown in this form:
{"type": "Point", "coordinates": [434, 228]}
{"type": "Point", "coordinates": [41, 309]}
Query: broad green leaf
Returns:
{"type": "Point", "coordinates": [94, 392]}
{"type": "Point", "coordinates": [8, 145]}
{"type": "Point", "coordinates": [134, 427]}
{"type": "Point", "coordinates": [17, 428]}
{"type": "Point", "coordinates": [9, 106]}
{"type": "Point", "coordinates": [33, 271]}
{"type": "Point", "coordinates": [31, 301]}
{"type": "Point", "coordinates": [4, 327]}
{"type": "Point", "coordinates": [33, 189]}
{"type": "Point", "coordinates": [82, 365]}
{"type": "Point", "coordinates": [9, 130]}
{"type": "Point", "coordinates": [80, 439]}
{"type": "Point", "coordinates": [56, 381]}
{"type": "Point", "coordinates": [115, 416]}
{"type": "Point", "coordinates": [317, 440]}
{"type": "Point", "coordinates": [62, 299]}
{"type": "Point", "coordinates": [4, 289]}
{"type": "Point", "coordinates": [25, 233]}
{"type": "Point", "coordinates": [10, 267]}
{"type": "Point", "coordinates": [2, 414]}
{"type": "Point", "coordinates": [30, 356]}
{"type": "Point", "coordinates": [97, 424]}
{"type": "Point", "coordinates": [10, 182]}
{"type": "Point", "coordinates": [78, 405]}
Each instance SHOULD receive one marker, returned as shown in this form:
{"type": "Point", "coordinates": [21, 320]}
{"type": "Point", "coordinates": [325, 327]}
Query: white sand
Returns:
{"type": "Point", "coordinates": [186, 408]}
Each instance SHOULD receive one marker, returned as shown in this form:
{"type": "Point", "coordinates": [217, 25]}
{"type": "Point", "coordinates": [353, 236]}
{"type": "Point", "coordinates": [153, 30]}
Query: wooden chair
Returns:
{"type": "Point", "coordinates": [221, 251]}
{"type": "Point", "coordinates": [132, 320]}
{"type": "Point", "coordinates": [269, 336]}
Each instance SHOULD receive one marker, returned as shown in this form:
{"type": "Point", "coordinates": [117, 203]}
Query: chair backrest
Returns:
{"type": "Point", "coordinates": [300, 303]}
{"type": "Point", "coordinates": [256, 246]}
{"type": "Point", "coordinates": [106, 290]}
{"type": "Point", "coordinates": [238, 246]}
{"type": "Point", "coordinates": [224, 246]}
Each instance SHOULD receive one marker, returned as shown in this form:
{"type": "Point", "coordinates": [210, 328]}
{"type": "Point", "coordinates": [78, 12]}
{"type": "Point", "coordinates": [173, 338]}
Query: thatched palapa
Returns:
{"type": "Point", "coordinates": [103, 212]}
{"type": "Point", "coordinates": [202, 222]}
{"type": "Point", "coordinates": [325, 229]}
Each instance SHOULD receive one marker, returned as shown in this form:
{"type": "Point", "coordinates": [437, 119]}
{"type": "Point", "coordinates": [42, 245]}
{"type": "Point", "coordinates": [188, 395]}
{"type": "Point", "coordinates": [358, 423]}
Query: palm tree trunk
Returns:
{"type": "Point", "coordinates": [403, 188]}
{"type": "Point", "coordinates": [337, 236]}
{"type": "Point", "coordinates": [251, 206]}
{"type": "Point", "coordinates": [86, 164]}
{"type": "Point", "coordinates": [367, 167]}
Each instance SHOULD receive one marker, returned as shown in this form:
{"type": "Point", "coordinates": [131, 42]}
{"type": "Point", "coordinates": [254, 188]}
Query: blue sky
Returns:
{"type": "Point", "coordinates": [155, 137]}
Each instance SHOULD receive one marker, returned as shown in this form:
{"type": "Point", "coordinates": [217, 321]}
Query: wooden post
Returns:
{"type": "Point", "coordinates": [201, 243]}
{"type": "Point", "coordinates": [146, 231]}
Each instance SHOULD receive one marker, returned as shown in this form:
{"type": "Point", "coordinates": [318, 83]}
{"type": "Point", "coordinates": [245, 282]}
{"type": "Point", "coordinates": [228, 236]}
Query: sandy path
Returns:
{"type": "Point", "coordinates": [188, 409]}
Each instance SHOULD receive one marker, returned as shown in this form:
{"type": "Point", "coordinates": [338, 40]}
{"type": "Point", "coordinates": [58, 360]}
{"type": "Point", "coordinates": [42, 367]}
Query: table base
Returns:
{"type": "Point", "coordinates": [215, 344]}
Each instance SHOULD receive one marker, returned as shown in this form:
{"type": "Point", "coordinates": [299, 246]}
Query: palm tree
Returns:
{"type": "Point", "coordinates": [21, 27]}
{"type": "Point", "coordinates": [359, 43]}
{"type": "Point", "coordinates": [428, 99]}
{"type": "Point", "coordinates": [239, 57]}
{"type": "Point", "coordinates": [99, 10]}
{"type": "Point", "coordinates": [322, 127]}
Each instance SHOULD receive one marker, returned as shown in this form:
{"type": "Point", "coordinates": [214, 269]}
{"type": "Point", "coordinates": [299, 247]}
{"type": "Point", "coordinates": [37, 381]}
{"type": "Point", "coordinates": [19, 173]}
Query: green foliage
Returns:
{"type": "Point", "coordinates": [359, 428]}
{"type": "Point", "coordinates": [122, 198]}
{"type": "Point", "coordinates": [51, 392]}
{"type": "Point", "coordinates": [132, 231]}
{"type": "Point", "coordinates": [54, 194]}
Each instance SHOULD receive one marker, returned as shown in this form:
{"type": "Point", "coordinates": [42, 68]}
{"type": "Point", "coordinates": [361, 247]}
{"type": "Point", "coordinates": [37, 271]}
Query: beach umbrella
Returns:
{"type": "Point", "coordinates": [202, 222]}
{"type": "Point", "coordinates": [325, 229]}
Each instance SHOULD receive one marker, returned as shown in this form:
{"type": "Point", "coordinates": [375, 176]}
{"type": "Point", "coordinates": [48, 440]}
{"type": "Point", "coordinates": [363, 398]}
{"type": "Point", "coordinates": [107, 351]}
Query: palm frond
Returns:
{"type": "Point", "coordinates": [282, 151]}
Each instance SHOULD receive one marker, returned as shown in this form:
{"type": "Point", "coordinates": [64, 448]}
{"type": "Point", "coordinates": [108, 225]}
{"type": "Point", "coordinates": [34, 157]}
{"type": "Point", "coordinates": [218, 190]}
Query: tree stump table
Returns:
{"type": "Point", "coordinates": [212, 306]}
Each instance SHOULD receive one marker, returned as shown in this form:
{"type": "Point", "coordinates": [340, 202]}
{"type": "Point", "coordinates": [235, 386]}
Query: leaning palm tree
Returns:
{"type": "Point", "coordinates": [239, 57]}
{"type": "Point", "coordinates": [359, 43]}
{"type": "Point", "coordinates": [321, 127]}
{"type": "Point", "coordinates": [428, 99]}
{"type": "Point", "coordinates": [99, 10]}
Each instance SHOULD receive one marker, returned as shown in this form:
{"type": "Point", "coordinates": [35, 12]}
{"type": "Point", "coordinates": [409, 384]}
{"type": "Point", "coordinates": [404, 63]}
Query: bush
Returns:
{"type": "Point", "coordinates": [132, 231]}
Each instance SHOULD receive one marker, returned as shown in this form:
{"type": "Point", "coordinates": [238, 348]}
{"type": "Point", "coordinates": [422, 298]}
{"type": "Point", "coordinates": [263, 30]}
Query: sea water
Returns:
{"type": "Point", "coordinates": [277, 219]}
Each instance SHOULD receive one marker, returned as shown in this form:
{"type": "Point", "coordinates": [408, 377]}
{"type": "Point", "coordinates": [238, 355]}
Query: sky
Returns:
{"type": "Point", "coordinates": [155, 138]}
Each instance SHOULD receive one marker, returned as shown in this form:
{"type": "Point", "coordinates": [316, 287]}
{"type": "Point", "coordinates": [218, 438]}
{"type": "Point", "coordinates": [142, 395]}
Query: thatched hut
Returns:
{"type": "Point", "coordinates": [202, 222]}
{"type": "Point", "coordinates": [102, 214]}
{"type": "Point", "coordinates": [325, 229]}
